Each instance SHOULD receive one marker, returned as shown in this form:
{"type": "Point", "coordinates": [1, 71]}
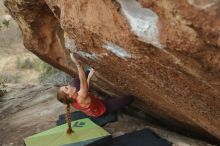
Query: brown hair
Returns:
{"type": "Point", "coordinates": [64, 98]}
{"type": "Point", "coordinates": [68, 119]}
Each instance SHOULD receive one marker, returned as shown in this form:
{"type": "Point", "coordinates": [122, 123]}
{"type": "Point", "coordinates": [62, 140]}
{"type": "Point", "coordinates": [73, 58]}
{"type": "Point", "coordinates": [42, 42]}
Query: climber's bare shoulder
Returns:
{"type": "Point", "coordinates": [83, 99]}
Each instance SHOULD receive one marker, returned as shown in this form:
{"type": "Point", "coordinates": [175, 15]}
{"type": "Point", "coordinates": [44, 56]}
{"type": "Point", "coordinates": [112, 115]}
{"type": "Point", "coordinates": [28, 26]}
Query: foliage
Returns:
{"type": "Point", "coordinates": [24, 63]}
{"type": "Point", "coordinates": [48, 74]}
{"type": "Point", "coordinates": [3, 86]}
{"type": "Point", "coordinates": [4, 23]}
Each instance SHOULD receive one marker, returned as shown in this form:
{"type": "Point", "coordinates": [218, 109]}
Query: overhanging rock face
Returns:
{"type": "Point", "coordinates": [167, 53]}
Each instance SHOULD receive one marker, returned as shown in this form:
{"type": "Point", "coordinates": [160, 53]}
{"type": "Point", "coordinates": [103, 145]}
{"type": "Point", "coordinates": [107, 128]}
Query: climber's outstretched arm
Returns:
{"type": "Point", "coordinates": [83, 80]}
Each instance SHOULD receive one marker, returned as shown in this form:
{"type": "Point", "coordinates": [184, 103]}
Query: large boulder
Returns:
{"type": "Point", "coordinates": [166, 53]}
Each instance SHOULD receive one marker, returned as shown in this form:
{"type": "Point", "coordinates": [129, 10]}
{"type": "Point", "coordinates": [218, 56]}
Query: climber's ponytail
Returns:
{"type": "Point", "coordinates": [68, 119]}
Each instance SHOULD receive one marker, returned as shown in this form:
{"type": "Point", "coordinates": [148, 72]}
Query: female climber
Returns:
{"type": "Point", "coordinates": [77, 95]}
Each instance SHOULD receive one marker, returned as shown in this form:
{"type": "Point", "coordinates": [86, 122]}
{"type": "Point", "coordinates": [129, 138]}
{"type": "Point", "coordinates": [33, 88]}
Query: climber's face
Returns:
{"type": "Point", "coordinates": [70, 90]}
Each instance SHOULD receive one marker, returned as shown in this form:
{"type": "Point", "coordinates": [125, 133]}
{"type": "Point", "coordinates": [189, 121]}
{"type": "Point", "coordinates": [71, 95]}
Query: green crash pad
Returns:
{"type": "Point", "coordinates": [85, 131]}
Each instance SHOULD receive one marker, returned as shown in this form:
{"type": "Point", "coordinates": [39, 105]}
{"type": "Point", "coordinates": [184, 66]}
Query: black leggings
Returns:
{"type": "Point", "coordinates": [112, 104]}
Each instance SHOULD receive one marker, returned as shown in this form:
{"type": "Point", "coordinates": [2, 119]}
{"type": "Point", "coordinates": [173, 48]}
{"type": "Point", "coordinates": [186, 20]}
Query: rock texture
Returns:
{"type": "Point", "coordinates": [166, 53]}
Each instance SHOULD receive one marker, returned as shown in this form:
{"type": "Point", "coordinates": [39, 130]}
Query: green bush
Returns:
{"type": "Point", "coordinates": [43, 68]}
{"type": "Point", "coordinates": [5, 23]}
{"type": "Point", "coordinates": [24, 63]}
{"type": "Point", "coordinates": [49, 74]}
{"type": "Point", "coordinates": [2, 87]}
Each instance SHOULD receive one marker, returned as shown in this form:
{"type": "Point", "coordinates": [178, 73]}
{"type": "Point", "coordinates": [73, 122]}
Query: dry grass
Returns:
{"type": "Point", "coordinates": [10, 72]}
{"type": "Point", "coordinates": [20, 66]}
